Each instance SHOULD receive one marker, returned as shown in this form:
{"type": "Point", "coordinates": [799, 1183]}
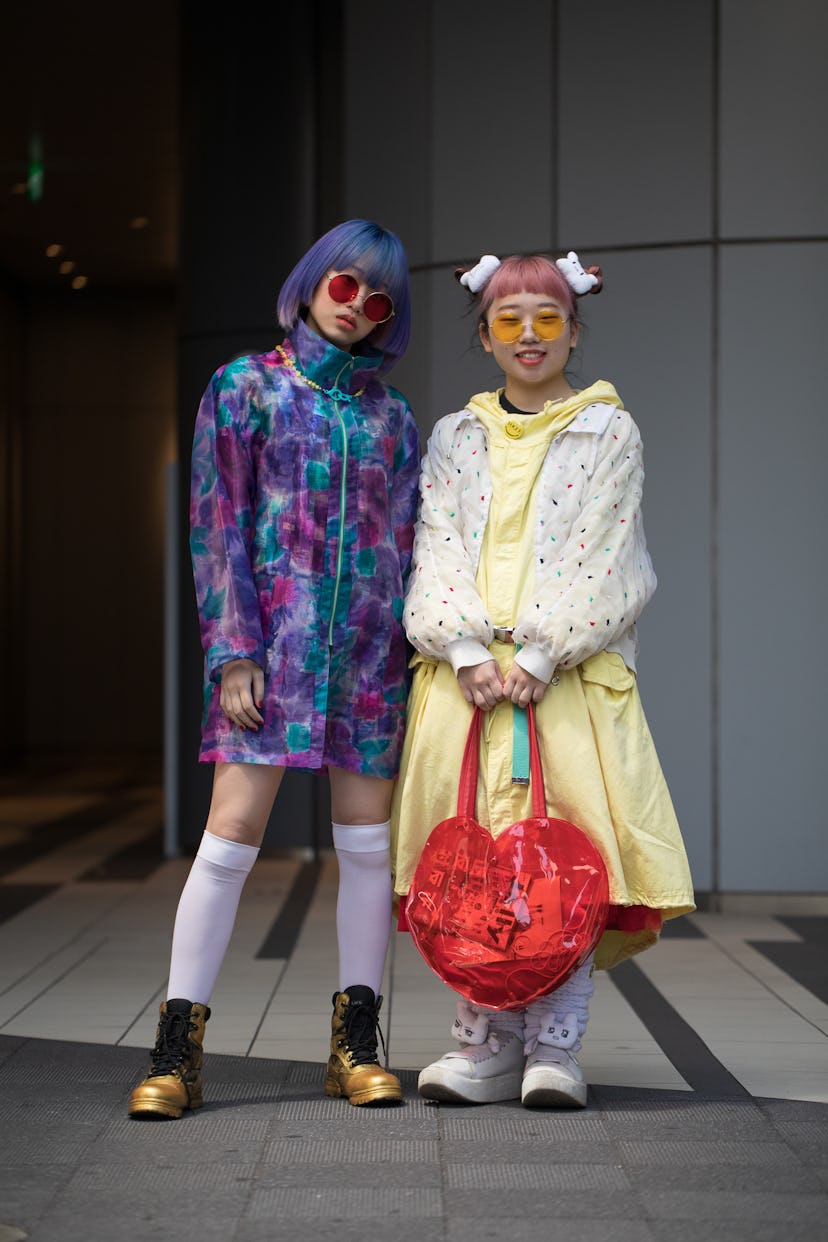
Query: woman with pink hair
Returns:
{"type": "Point", "coordinates": [530, 572]}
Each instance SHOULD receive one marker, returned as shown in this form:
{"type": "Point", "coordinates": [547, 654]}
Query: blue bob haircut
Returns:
{"type": "Point", "coordinates": [379, 255]}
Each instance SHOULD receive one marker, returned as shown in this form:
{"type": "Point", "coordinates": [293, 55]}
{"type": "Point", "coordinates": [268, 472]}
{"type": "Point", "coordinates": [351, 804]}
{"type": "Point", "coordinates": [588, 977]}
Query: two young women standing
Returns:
{"type": "Point", "coordinates": [530, 570]}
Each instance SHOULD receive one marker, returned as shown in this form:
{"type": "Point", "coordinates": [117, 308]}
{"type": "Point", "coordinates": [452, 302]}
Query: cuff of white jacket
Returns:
{"type": "Point", "coordinates": [534, 660]}
{"type": "Point", "coordinates": [466, 652]}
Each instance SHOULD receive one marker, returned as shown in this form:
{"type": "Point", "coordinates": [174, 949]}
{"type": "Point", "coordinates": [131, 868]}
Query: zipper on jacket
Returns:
{"type": "Point", "coordinates": [342, 491]}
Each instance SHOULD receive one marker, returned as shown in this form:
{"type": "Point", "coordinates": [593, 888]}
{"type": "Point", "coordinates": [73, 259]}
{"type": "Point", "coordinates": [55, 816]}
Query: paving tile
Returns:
{"type": "Point", "coordinates": [167, 1147]}
{"type": "Point", "coordinates": [204, 1125]}
{"type": "Point", "coordinates": [158, 1178]}
{"type": "Point", "coordinates": [340, 1112]}
{"type": "Point", "coordinates": [720, 1205]}
{"type": "Point", "coordinates": [533, 1149]}
{"type": "Point", "coordinates": [788, 1179]}
{"type": "Point", "coordinates": [344, 1151]}
{"type": "Point", "coordinates": [545, 1205]}
{"type": "Point", "coordinates": [711, 1151]}
{"type": "Point", "coordinates": [25, 1193]}
{"type": "Point", "coordinates": [731, 1231]}
{"type": "Point", "coordinates": [554, 1228]}
{"type": "Point", "coordinates": [794, 1110]}
{"type": "Point", "coordinates": [386, 1228]}
{"type": "Point", "coordinates": [392, 1127]}
{"type": "Point", "coordinates": [356, 1204]}
{"type": "Point", "coordinates": [44, 1150]}
{"type": "Point", "coordinates": [351, 1177]}
{"type": "Point", "coordinates": [242, 1092]}
{"type": "Point", "coordinates": [806, 1133]}
{"type": "Point", "coordinates": [552, 1175]}
{"type": "Point", "coordinates": [82, 1215]}
{"type": "Point", "coordinates": [686, 1118]}
{"type": "Point", "coordinates": [502, 1124]}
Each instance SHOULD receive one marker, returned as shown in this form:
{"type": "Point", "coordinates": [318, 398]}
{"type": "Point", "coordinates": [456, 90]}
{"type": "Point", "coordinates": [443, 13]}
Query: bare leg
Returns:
{"type": "Point", "coordinates": [243, 795]}
{"type": "Point", "coordinates": [358, 799]}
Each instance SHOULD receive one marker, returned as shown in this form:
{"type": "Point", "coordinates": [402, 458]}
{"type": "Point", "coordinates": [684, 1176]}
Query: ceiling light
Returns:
{"type": "Point", "coordinates": [66, 267]}
{"type": "Point", "coordinates": [80, 282]}
{"type": "Point", "coordinates": [54, 250]}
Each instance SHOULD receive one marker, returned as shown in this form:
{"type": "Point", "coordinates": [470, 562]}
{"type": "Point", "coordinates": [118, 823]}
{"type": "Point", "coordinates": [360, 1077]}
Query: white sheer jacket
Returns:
{"type": "Point", "coordinates": [593, 574]}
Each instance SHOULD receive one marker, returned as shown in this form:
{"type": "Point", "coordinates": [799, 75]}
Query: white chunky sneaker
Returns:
{"type": "Point", "coordinates": [553, 1079]}
{"type": "Point", "coordinates": [486, 1068]}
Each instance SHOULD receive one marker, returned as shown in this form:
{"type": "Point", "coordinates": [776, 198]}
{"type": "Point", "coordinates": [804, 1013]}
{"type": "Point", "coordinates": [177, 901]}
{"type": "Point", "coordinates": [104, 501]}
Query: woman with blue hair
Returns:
{"type": "Point", "coordinates": [304, 495]}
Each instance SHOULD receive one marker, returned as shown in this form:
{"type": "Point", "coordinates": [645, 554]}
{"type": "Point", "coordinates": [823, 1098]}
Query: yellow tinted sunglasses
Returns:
{"type": "Point", "coordinates": [546, 325]}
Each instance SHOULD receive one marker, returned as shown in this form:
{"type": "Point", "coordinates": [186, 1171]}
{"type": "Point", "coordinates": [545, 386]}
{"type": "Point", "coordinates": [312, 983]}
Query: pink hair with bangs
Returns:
{"type": "Point", "coordinates": [531, 273]}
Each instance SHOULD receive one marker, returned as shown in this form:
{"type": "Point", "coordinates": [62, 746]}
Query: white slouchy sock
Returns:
{"type": "Point", "coordinates": [363, 908]}
{"type": "Point", "coordinates": [569, 1001]}
{"type": "Point", "coordinates": [206, 914]}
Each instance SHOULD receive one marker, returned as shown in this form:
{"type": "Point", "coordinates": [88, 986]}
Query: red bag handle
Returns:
{"type": "Point", "coordinates": [467, 791]}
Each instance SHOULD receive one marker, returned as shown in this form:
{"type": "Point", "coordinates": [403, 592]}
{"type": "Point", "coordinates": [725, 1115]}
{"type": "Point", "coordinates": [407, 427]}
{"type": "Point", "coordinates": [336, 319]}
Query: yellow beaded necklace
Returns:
{"type": "Point", "coordinates": [336, 394]}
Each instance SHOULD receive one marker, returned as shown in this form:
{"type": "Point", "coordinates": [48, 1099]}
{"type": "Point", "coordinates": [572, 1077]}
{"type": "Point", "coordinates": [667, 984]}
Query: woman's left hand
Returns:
{"type": "Point", "coordinates": [522, 688]}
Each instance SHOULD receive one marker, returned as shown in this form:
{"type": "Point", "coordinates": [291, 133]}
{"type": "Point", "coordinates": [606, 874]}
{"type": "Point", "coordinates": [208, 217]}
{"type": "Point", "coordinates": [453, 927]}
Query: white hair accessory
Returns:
{"type": "Point", "coordinates": [475, 278]}
{"type": "Point", "coordinates": [577, 279]}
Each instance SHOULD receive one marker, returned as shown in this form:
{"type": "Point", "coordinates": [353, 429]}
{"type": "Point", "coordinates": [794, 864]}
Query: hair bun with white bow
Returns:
{"type": "Point", "coordinates": [475, 278]}
{"type": "Point", "coordinates": [579, 279]}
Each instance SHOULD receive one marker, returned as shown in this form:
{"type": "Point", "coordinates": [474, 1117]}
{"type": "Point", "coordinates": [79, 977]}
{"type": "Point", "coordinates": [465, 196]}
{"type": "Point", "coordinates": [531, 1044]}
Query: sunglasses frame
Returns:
{"type": "Point", "coordinates": [346, 301]}
{"type": "Point", "coordinates": [540, 315]}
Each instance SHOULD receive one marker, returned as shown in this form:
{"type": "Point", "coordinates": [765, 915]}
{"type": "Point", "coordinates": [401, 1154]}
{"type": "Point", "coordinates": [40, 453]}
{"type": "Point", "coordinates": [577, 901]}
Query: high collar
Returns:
{"type": "Point", "coordinates": [328, 366]}
{"type": "Point", "coordinates": [548, 422]}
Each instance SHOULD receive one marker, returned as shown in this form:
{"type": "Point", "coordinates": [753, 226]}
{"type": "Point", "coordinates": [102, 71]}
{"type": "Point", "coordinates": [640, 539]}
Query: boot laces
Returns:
{"type": "Point", "coordinates": [362, 1027]}
{"type": "Point", "coordinates": [172, 1045]}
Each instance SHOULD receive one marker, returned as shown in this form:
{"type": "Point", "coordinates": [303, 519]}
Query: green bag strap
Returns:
{"type": "Point", "coordinates": [520, 746]}
{"type": "Point", "coordinates": [520, 742]}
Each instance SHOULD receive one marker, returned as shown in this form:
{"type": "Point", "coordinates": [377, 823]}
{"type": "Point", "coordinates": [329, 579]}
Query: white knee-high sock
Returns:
{"type": "Point", "coordinates": [363, 908]}
{"type": "Point", "coordinates": [206, 914]}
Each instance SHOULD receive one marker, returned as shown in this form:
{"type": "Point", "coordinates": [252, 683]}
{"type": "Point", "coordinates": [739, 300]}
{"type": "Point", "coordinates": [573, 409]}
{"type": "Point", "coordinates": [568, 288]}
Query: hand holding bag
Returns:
{"type": "Point", "coordinates": [506, 921]}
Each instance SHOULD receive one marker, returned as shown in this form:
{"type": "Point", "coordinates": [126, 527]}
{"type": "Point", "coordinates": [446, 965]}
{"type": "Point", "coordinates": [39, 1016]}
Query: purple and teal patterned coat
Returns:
{"type": "Point", "coordinates": [302, 520]}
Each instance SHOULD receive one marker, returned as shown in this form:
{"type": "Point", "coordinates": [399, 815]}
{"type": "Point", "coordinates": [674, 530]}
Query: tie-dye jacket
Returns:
{"type": "Point", "coordinates": [302, 516]}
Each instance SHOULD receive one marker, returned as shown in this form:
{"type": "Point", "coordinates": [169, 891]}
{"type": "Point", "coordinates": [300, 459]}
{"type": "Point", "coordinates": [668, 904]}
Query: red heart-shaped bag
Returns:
{"type": "Point", "coordinates": [504, 922]}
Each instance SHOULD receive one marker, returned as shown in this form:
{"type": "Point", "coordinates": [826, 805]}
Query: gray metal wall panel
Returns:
{"type": "Point", "coordinates": [635, 121]}
{"type": "Point", "coordinates": [649, 333]}
{"type": "Point", "coordinates": [774, 95]}
{"type": "Point", "coordinates": [386, 94]}
{"type": "Point", "coordinates": [492, 133]}
{"type": "Point", "coordinates": [774, 590]}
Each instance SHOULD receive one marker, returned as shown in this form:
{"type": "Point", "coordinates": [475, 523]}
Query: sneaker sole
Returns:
{"type": "Point", "coordinates": [561, 1094]}
{"type": "Point", "coordinates": [448, 1088]}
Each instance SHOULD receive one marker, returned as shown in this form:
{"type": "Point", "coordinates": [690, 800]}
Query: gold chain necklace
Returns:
{"type": "Point", "coordinates": [336, 394]}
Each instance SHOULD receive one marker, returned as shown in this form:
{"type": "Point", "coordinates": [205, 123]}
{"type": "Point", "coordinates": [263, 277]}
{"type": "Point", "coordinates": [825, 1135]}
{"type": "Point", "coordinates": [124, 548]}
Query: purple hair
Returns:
{"type": "Point", "coordinates": [532, 273]}
{"type": "Point", "coordinates": [378, 254]}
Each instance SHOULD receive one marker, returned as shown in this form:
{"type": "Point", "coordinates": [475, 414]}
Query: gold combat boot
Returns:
{"type": "Point", "coordinates": [353, 1068]}
{"type": "Point", "coordinates": [174, 1080]}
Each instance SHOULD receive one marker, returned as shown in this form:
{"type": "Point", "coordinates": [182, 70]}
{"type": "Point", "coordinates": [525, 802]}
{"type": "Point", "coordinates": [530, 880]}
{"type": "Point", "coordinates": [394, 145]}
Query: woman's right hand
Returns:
{"type": "Point", "coordinates": [481, 684]}
{"type": "Point", "coordinates": [242, 693]}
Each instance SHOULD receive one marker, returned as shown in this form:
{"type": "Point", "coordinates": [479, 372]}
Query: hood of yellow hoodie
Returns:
{"type": "Point", "coordinates": [554, 416]}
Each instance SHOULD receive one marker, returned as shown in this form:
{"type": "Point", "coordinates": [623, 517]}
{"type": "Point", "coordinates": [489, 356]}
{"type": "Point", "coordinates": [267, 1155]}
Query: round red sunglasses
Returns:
{"type": "Point", "coordinates": [343, 288]}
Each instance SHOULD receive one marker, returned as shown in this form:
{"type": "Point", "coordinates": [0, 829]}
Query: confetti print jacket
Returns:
{"type": "Point", "coordinates": [592, 572]}
{"type": "Point", "coordinates": [302, 516]}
